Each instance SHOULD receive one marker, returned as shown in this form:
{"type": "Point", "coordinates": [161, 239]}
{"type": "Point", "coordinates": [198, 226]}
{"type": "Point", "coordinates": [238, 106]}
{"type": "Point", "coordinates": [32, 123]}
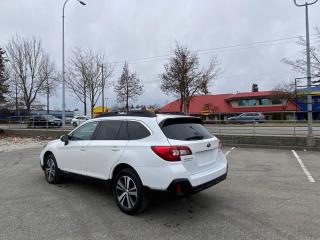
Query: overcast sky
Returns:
{"type": "Point", "coordinates": [133, 29]}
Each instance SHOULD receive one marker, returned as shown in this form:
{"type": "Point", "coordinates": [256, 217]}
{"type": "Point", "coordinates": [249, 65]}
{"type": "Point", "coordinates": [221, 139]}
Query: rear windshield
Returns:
{"type": "Point", "coordinates": [185, 129]}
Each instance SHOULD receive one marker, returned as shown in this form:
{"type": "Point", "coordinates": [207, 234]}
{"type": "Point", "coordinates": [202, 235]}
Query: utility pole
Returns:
{"type": "Point", "coordinates": [102, 83]}
{"type": "Point", "coordinates": [16, 98]}
{"type": "Point", "coordinates": [48, 99]}
{"type": "Point", "coordinates": [309, 96]}
{"type": "Point", "coordinates": [127, 98]}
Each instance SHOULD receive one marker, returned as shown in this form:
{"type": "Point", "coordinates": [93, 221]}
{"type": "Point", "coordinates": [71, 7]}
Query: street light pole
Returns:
{"type": "Point", "coordinates": [63, 66]}
{"type": "Point", "coordinates": [309, 96]}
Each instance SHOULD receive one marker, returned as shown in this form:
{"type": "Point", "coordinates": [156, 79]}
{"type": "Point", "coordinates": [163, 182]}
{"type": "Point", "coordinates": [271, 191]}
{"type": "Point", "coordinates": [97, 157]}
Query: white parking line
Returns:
{"type": "Point", "coordinates": [229, 151]}
{"type": "Point", "coordinates": [305, 170]}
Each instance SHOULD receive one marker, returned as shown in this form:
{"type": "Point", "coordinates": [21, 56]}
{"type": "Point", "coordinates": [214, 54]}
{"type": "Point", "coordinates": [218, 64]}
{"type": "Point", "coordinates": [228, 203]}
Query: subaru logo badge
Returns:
{"type": "Point", "coordinates": [208, 145]}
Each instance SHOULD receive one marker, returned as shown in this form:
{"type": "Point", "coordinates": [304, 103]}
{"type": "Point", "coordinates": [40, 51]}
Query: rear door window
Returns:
{"type": "Point", "coordinates": [137, 130]}
{"type": "Point", "coordinates": [112, 130]}
{"type": "Point", "coordinates": [123, 131]}
{"type": "Point", "coordinates": [108, 130]}
{"type": "Point", "coordinates": [185, 129]}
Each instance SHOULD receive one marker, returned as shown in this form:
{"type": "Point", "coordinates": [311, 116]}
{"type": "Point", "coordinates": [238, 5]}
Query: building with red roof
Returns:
{"type": "Point", "coordinates": [222, 106]}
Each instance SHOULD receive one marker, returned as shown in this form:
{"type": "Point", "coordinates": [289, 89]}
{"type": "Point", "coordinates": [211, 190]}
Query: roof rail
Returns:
{"type": "Point", "coordinates": [176, 113]}
{"type": "Point", "coordinates": [130, 113]}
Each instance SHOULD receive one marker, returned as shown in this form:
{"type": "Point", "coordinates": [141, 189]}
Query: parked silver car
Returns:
{"type": "Point", "coordinates": [250, 117]}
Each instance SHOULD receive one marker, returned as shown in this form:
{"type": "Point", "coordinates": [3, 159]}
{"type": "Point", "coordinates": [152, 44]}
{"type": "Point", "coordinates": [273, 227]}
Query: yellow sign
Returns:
{"type": "Point", "coordinates": [100, 109]}
{"type": "Point", "coordinates": [206, 112]}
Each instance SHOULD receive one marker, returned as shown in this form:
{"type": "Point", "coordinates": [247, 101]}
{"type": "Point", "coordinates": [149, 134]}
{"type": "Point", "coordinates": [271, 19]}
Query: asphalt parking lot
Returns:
{"type": "Point", "coordinates": [268, 195]}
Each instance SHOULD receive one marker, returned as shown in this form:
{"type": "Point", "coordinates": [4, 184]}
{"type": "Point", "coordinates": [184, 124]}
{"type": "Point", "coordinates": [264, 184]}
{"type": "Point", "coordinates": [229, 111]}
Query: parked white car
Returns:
{"type": "Point", "coordinates": [139, 153]}
{"type": "Point", "coordinates": [76, 121]}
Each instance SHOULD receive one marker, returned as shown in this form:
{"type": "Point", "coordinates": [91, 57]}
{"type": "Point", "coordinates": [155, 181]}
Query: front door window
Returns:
{"type": "Point", "coordinates": [85, 132]}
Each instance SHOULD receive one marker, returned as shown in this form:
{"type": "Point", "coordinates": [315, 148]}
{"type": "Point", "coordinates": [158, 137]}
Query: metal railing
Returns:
{"type": "Point", "coordinates": [217, 127]}
{"type": "Point", "coordinates": [18, 122]}
{"type": "Point", "coordinates": [265, 128]}
{"type": "Point", "coordinates": [23, 122]}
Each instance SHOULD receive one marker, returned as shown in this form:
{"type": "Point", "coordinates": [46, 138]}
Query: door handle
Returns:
{"type": "Point", "coordinates": [115, 149]}
{"type": "Point", "coordinates": [83, 148]}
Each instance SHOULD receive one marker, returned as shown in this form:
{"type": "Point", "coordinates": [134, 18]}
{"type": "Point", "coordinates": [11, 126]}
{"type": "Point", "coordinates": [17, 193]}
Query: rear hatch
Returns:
{"type": "Point", "coordinates": [189, 131]}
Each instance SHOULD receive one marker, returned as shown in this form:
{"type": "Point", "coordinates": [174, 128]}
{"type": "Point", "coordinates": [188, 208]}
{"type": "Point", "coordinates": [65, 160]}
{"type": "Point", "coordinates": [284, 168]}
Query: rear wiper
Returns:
{"type": "Point", "coordinates": [195, 138]}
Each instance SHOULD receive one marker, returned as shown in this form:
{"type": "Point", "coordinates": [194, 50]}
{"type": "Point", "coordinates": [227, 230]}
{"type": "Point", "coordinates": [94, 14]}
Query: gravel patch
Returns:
{"type": "Point", "coordinates": [8, 144]}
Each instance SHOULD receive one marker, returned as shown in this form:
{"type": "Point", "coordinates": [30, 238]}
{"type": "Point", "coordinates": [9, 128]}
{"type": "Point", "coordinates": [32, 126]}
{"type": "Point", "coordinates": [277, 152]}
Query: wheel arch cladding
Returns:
{"type": "Point", "coordinates": [120, 167]}
{"type": "Point", "coordinates": [47, 153]}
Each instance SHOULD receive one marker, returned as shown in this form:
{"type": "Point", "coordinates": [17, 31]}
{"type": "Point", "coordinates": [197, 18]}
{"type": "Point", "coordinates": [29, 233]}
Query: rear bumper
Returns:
{"type": "Point", "coordinates": [161, 178]}
{"type": "Point", "coordinates": [183, 186]}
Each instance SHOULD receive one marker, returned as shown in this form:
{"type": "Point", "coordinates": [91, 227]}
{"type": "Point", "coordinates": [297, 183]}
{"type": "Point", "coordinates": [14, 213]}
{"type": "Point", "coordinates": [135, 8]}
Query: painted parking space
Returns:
{"type": "Point", "coordinates": [303, 167]}
{"type": "Point", "coordinates": [274, 191]}
{"type": "Point", "coordinates": [311, 160]}
{"type": "Point", "coordinates": [266, 196]}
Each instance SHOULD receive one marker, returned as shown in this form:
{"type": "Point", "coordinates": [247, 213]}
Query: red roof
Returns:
{"type": "Point", "coordinates": [220, 104]}
{"type": "Point", "coordinates": [250, 95]}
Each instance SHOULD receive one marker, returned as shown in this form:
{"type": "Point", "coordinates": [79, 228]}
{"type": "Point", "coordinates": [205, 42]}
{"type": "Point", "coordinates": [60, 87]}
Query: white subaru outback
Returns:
{"type": "Point", "coordinates": [139, 152]}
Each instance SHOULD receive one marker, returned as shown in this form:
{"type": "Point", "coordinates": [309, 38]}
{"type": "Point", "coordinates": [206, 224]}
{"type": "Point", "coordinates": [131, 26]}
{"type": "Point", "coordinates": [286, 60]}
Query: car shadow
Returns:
{"type": "Point", "coordinates": [161, 204]}
{"type": "Point", "coordinates": [85, 184]}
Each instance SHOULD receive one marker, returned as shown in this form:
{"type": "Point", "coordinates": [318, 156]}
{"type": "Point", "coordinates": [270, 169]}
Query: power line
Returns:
{"type": "Point", "coordinates": [204, 51]}
{"type": "Point", "coordinates": [219, 50]}
{"type": "Point", "coordinates": [254, 43]}
{"type": "Point", "coordinates": [253, 75]}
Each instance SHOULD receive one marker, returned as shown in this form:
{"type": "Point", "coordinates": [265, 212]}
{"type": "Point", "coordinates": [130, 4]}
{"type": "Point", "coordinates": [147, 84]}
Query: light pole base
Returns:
{"type": "Point", "coordinates": [311, 141]}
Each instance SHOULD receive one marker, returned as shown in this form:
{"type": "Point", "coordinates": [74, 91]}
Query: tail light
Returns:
{"type": "Point", "coordinates": [171, 153]}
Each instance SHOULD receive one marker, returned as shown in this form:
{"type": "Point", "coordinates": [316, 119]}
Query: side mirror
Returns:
{"type": "Point", "coordinates": [65, 139]}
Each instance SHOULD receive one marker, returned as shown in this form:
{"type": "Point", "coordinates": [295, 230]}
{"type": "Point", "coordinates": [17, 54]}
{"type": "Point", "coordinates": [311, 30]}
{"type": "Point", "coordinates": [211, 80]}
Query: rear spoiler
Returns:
{"type": "Point", "coordinates": [180, 120]}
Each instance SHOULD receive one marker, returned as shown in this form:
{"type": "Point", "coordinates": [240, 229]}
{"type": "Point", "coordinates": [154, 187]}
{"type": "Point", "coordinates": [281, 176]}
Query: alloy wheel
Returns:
{"type": "Point", "coordinates": [50, 169]}
{"type": "Point", "coordinates": [126, 191]}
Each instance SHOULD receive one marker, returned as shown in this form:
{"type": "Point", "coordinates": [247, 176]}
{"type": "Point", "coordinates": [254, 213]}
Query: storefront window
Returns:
{"type": "Point", "coordinates": [264, 101]}
{"type": "Point", "coordinates": [252, 102]}
{"type": "Point", "coordinates": [247, 102]}
{"type": "Point", "coordinates": [276, 101]}
{"type": "Point", "coordinates": [242, 102]}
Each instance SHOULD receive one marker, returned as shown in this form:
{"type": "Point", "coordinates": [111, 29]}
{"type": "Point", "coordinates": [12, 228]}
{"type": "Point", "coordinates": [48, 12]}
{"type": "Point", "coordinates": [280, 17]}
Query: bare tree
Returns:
{"type": "Point", "coordinates": [49, 75]}
{"type": "Point", "coordinates": [86, 78]}
{"type": "Point", "coordinates": [283, 94]}
{"type": "Point", "coordinates": [4, 76]}
{"type": "Point", "coordinates": [183, 78]}
{"type": "Point", "coordinates": [95, 77]}
{"type": "Point", "coordinates": [300, 65]}
{"type": "Point", "coordinates": [26, 60]}
{"type": "Point", "coordinates": [128, 87]}
{"type": "Point", "coordinates": [106, 72]}
{"type": "Point", "coordinates": [76, 77]}
{"type": "Point", "coordinates": [15, 98]}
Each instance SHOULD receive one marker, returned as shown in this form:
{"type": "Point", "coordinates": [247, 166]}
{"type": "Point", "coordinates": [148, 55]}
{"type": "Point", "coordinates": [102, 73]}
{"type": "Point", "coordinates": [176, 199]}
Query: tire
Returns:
{"type": "Point", "coordinates": [128, 192]}
{"type": "Point", "coordinates": [52, 173]}
{"type": "Point", "coordinates": [74, 124]}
